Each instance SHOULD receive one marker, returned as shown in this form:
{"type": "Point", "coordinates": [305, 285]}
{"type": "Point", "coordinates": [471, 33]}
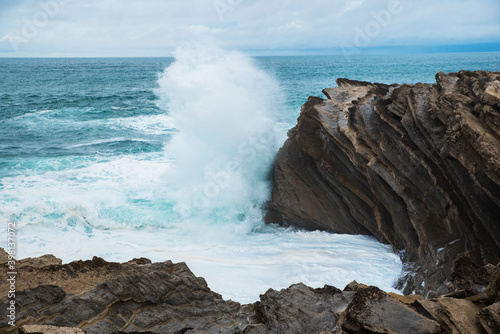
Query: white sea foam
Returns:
{"type": "Point", "coordinates": [115, 209]}
{"type": "Point", "coordinates": [148, 124]}
{"type": "Point", "coordinates": [107, 141]}
{"type": "Point", "coordinates": [240, 266]}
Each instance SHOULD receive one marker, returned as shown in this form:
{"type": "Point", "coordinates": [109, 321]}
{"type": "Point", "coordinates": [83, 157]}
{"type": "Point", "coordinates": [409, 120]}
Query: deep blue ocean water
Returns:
{"type": "Point", "coordinates": [129, 157]}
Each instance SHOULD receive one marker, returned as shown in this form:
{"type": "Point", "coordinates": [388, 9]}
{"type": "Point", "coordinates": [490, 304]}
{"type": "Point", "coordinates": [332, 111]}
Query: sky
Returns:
{"type": "Point", "coordinates": [154, 28]}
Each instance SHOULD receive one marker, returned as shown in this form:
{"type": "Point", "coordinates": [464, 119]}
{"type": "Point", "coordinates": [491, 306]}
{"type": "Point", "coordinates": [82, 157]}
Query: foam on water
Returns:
{"type": "Point", "coordinates": [199, 200]}
{"type": "Point", "coordinates": [150, 124]}
{"type": "Point", "coordinates": [114, 209]}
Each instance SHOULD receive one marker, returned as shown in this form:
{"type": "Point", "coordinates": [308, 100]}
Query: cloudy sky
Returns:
{"type": "Point", "coordinates": [259, 27]}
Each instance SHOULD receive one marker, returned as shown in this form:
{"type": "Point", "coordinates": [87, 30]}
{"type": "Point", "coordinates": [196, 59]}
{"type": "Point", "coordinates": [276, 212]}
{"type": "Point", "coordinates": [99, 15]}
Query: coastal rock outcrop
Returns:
{"type": "Point", "coordinates": [142, 297]}
{"type": "Point", "coordinates": [301, 309]}
{"type": "Point", "coordinates": [374, 311]}
{"type": "Point", "coordinates": [98, 297]}
{"type": "Point", "coordinates": [415, 166]}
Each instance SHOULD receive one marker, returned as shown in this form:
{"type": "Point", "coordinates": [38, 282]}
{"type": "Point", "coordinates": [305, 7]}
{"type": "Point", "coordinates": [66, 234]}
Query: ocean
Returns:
{"type": "Point", "coordinates": [170, 159]}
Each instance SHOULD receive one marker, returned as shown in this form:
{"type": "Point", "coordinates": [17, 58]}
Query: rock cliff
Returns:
{"type": "Point", "coordinates": [142, 297]}
{"type": "Point", "coordinates": [415, 166]}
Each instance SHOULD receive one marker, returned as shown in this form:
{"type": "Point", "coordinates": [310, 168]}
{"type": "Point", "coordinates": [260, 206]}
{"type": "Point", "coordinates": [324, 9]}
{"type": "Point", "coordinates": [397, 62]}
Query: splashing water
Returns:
{"type": "Point", "coordinates": [221, 105]}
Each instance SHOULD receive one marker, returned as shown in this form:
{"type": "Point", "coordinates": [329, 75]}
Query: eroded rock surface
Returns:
{"type": "Point", "coordinates": [489, 319]}
{"type": "Point", "coordinates": [374, 311]}
{"type": "Point", "coordinates": [103, 297]}
{"type": "Point", "coordinates": [416, 166]}
{"type": "Point", "coordinates": [45, 329]}
{"type": "Point", "coordinates": [301, 309]}
{"type": "Point", "coordinates": [143, 297]}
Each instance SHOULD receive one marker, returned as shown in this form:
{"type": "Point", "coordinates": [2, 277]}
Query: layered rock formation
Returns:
{"type": "Point", "coordinates": [415, 166]}
{"type": "Point", "coordinates": [143, 297]}
{"type": "Point", "coordinates": [104, 297]}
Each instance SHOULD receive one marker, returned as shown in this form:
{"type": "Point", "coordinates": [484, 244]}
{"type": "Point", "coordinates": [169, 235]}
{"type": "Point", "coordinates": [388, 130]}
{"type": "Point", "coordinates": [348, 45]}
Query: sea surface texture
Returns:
{"type": "Point", "coordinates": [170, 159]}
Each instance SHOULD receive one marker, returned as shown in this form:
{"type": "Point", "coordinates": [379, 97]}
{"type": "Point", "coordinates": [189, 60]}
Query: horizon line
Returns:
{"type": "Point", "coordinates": [263, 55]}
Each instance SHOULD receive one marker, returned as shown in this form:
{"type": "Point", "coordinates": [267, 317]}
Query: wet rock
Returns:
{"type": "Point", "coordinates": [416, 166]}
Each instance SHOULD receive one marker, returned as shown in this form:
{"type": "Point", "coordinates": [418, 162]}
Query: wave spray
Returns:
{"type": "Point", "coordinates": [221, 104]}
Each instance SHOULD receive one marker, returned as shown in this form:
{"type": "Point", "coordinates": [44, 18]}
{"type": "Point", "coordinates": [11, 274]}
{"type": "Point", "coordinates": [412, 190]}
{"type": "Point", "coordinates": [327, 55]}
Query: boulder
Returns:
{"type": "Point", "coordinates": [301, 309]}
{"type": "Point", "coordinates": [456, 315]}
{"type": "Point", "coordinates": [374, 311]}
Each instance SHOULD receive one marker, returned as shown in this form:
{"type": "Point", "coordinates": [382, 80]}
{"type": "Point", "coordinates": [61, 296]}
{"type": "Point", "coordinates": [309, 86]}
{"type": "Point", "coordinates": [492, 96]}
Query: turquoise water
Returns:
{"type": "Point", "coordinates": [129, 157]}
{"type": "Point", "coordinates": [304, 76]}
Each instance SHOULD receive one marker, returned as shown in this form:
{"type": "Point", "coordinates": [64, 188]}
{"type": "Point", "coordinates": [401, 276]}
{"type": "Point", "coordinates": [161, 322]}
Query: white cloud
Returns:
{"type": "Point", "coordinates": [287, 27]}
{"type": "Point", "coordinates": [350, 5]}
{"type": "Point", "coordinates": [156, 27]}
{"type": "Point", "coordinates": [198, 29]}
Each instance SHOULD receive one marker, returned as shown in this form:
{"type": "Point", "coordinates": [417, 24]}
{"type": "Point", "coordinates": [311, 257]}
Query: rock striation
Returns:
{"type": "Point", "coordinates": [143, 297]}
{"type": "Point", "coordinates": [105, 297]}
{"type": "Point", "coordinates": [415, 166]}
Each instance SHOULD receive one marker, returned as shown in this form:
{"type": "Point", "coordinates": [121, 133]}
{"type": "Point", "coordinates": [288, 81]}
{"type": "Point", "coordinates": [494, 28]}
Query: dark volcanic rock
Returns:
{"type": "Point", "coordinates": [416, 166]}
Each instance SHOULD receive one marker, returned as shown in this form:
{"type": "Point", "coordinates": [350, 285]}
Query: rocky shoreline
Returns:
{"type": "Point", "coordinates": [138, 296]}
{"type": "Point", "coordinates": [416, 166]}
